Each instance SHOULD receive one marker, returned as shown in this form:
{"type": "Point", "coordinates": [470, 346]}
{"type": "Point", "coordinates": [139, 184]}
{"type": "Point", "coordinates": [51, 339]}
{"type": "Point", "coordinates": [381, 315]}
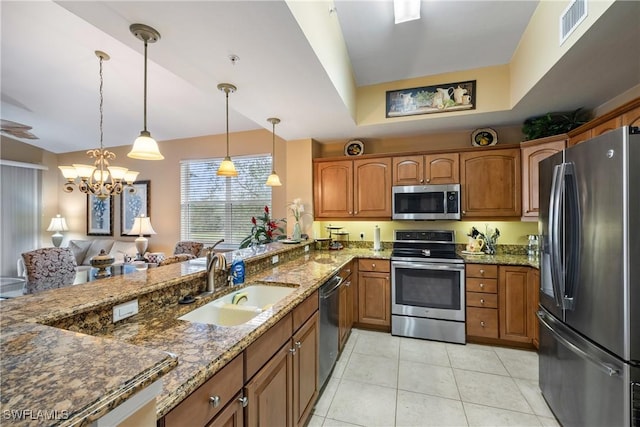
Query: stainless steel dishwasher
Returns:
{"type": "Point", "coordinates": [329, 311]}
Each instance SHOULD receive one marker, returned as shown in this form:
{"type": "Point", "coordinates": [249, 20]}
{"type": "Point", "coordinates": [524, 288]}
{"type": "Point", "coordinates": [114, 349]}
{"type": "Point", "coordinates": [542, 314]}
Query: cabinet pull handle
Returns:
{"type": "Point", "coordinates": [481, 272]}
{"type": "Point", "coordinates": [481, 300]}
{"type": "Point", "coordinates": [482, 324]}
{"type": "Point", "coordinates": [244, 401]}
{"type": "Point", "coordinates": [215, 401]}
{"type": "Point", "coordinates": [481, 285]}
{"type": "Point", "coordinates": [347, 283]}
{"type": "Point", "coordinates": [298, 344]}
{"type": "Point", "coordinates": [292, 351]}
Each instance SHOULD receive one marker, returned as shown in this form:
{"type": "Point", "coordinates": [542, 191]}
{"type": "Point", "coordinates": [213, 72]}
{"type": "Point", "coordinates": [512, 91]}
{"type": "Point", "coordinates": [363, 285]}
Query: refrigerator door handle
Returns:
{"type": "Point", "coordinates": [572, 245]}
{"type": "Point", "coordinates": [555, 215]}
{"type": "Point", "coordinates": [605, 367]}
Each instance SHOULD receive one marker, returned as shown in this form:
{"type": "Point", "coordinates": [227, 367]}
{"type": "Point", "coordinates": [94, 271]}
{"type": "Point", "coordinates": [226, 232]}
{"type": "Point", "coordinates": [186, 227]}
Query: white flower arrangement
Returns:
{"type": "Point", "coordinates": [297, 208]}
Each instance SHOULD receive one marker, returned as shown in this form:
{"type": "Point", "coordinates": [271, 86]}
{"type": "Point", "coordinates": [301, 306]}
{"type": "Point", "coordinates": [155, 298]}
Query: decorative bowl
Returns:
{"type": "Point", "coordinates": [101, 262]}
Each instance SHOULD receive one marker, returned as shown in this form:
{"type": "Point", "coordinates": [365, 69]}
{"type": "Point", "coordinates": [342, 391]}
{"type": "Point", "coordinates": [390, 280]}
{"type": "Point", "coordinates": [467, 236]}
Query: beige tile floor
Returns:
{"type": "Point", "coordinates": [382, 380]}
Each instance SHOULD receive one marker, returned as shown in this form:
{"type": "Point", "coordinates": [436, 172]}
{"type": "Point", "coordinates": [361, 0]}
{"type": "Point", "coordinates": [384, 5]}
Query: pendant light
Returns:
{"type": "Point", "coordinates": [274, 179]}
{"type": "Point", "coordinates": [145, 147]}
{"type": "Point", "coordinates": [227, 168]}
{"type": "Point", "coordinates": [100, 179]}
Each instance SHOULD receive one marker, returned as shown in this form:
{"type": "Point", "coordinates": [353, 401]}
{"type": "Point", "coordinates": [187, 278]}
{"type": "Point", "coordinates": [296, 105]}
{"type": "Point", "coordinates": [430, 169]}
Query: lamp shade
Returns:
{"type": "Point", "coordinates": [145, 148]}
{"type": "Point", "coordinates": [141, 226]}
{"type": "Point", "coordinates": [273, 180]}
{"type": "Point", "coordinates": [58, 223]}
{"type": "Point", "coordinates": [227, 168]}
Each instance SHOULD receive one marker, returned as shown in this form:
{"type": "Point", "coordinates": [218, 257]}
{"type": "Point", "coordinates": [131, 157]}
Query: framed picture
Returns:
{"type": "Point", "coordinates": [444, 98]}
{"type": "Point", "coordinates": [134, 204]}
{"type": "Point", "coordinates": [484, 137]}
{"type": "Point", "coordinates": [99, 216]}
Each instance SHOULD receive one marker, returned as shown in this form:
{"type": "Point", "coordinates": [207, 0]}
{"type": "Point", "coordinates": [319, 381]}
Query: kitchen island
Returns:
{"type": "Point", "coordinates": [86, 351]}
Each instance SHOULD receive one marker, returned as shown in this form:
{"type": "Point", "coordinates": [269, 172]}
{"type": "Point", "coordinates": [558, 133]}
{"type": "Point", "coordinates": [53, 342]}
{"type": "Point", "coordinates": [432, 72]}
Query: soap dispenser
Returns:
{"type": "Point", "coordinates": [237, 269]}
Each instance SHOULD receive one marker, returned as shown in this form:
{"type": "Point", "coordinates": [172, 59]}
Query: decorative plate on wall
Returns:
{"type": "Point", "coordinates": [354, 148]}
{"type": "Point", "coordinates": [484, 137]}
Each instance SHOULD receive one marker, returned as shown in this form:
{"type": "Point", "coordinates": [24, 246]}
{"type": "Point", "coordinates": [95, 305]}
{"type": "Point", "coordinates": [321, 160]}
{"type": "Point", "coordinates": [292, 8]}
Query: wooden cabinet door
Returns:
{"type": "Point", "coordinates": [631, 118]}
{"type": "Point", "coordinates": [531, 157]}
{"type": "Point", "coordinates": [442, 168]}
{"type": "Point", "coordinates": [490, 184]}
{"type": "Point", "coordinates": [372, 188]}
{"type": "Point", "coordinates": [374, 299]}
{"type": "Point", "coordinates": [513, 304]}
{"type": "Point", "coordinates": [607, 126]}
{"type": "Point", "coordinates": [408, 170]}
{"type": "Point", "coordinates": [333, 189]}
{"type": "Point", "coordinates": [231, 416]}
{"type": "Point", "coordinates": [269, 392]}
{"type": "Point", "coordinates": [305, 370]}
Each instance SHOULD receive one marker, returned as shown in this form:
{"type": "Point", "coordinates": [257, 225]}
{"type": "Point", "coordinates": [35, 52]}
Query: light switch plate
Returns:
{"type": "Point", "coordinates": [306, 248]}
{"type": "Point", "coordinates": [124, 310]}
{"type": "Point", "coordinates": [275, 259]}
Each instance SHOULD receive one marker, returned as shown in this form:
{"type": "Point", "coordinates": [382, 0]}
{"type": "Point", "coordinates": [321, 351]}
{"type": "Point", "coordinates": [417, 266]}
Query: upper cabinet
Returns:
{"type": "Point", "coordinates": [490, 183]}
{"type": "Point", "coordinates": [532, 153]}
{"type": "Point", "coordinates": [353, 188]}
{"type": "Point", "coordinates": [625, 115]}
{"type": "Point", "coordinates": [426, 169]}
{"type": "Point", "coordinates": [631, 117]}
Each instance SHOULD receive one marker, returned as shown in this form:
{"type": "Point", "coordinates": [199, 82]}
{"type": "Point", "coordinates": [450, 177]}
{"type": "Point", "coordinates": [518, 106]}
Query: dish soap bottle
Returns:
{"type": "Point", "coordinates": [237, 269]}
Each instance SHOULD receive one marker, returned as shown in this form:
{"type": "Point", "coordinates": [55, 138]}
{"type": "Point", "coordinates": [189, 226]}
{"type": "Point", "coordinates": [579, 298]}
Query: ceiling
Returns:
{"type": "Point", "coordinates": [50, 79]}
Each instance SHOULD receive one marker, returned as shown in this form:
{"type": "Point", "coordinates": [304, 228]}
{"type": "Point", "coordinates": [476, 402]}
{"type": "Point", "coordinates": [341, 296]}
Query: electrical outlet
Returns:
{"type": "Point", "coordinates": [362, 236]}
{"type": "Point", "coordinates": [306, 248]}
{"type": "Point", "coordinates": [124, 310]}
{"type": "Point", "coordinates": [275, 259]}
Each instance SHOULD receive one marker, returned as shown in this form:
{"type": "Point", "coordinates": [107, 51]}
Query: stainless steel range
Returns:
{"type": "Point", "coordinates": [427, 286]}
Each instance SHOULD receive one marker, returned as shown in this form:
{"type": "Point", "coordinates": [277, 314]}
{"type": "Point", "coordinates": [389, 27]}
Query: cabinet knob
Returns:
{"type": "Point", "coordinates": [481, 272]}
{"type": "Point", "coordinates": [422, 181]}
{"type": "Point", "coordinates": [428, 180]}
{"type": "Point", "coordinates": [481, 285]}
{"type": "Point", "coordinates": [464, 212]}
{"type": "Point", "coordinates": [481, 300]}
{"type": "Point", "coordinates": [298, 344]}
{"type": "Point", "coordinates": [482, 324]}
{"type": "Point", "coordinates": [292, 351]}
{"type": "Point", "coordinates": [347, 284]}
{"type": "Point", "coordinates": [350, 212]}
{"type": "Point", "coordinates": [355, 212]}
{"type": "Point", "coordinates": [215, 401]}
{"type": "Point", "coordinates": [373, 266]}
{"type": "Point", "coordinates": [244, 401]}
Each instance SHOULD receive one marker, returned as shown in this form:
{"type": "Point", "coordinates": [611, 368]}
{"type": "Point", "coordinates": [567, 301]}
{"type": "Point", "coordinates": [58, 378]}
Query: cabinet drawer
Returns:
{"type": "Point", "coordinates": [197, 409]}
{"type": "Point", "coordinates": [304, 311]}
{"type": "Point", "coordinates": [482, 299]}
{"type": "Point", "coordinates": [482, 322]}
{"type": "Point", "coordinates": [482, 285]}
{"type": "Point", "coordinates": [379, 265]}
{"type": "Point", "coordinates": [482, 270]}
{"type": "Point", "coordinates": [259, 353]}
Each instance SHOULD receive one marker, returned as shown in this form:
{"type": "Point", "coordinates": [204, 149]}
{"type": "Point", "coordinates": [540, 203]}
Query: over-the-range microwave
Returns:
{"type": "Point", "coordinates": [426, 202]}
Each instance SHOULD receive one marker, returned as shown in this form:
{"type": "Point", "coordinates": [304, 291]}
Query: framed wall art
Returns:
{"type": "Point", "coordinates": [134, 204]}
{"type": "Point", "coordinates": [99, 216]}
{"type": "Point", "coordinates": [443, 98]}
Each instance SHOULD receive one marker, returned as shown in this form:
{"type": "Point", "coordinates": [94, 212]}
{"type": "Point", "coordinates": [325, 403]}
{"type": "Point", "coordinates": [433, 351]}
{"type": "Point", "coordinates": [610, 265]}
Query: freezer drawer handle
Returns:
{"type": "Point", "coordinates": [608, 369]}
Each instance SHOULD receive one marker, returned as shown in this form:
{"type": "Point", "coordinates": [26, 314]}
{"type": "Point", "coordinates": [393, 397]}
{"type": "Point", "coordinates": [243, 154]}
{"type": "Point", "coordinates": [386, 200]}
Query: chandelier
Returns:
{"type": "Point", "coordinates": [100, 179]}
{"type": "Point", "coordinates": [227, 168]}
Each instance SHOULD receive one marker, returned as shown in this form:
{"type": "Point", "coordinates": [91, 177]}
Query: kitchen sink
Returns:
{"type": "Point", "coordinates": [238, 307]}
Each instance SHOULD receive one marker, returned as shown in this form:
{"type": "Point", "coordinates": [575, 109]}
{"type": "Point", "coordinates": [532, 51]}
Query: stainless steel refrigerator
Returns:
{"type": "Point", "coordinates": [589, 310]}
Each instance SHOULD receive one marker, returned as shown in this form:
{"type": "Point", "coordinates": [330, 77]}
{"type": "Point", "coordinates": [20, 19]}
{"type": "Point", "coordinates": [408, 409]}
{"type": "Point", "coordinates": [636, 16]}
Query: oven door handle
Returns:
{"type": "Point", "coordinates": [427, 266]}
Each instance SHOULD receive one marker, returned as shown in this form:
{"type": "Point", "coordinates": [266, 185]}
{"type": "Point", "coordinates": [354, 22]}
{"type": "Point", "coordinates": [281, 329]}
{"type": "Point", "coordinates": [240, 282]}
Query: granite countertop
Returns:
{"type": "Point", "coordinates": [501, 259]}
{"type": "Point", "coordinates": [107, 360]}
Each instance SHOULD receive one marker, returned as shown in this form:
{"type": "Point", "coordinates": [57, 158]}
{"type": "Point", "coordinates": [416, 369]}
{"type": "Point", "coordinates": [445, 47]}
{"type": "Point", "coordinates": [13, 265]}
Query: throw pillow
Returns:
{"type": "Point", "coordinates": [79, 249]}
{"type": "Point", "coordinates": [96, 246]}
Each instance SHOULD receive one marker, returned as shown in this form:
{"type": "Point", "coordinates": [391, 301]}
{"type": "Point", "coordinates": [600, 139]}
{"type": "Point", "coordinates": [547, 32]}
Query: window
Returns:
{"type": "Point", "coordinates": [20, 209]}
{"type": "Point", "coordinates": [214, 207]}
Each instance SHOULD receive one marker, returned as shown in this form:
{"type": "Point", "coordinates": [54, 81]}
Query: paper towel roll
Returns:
{"type": "Point", "coordinates": [376, 239]}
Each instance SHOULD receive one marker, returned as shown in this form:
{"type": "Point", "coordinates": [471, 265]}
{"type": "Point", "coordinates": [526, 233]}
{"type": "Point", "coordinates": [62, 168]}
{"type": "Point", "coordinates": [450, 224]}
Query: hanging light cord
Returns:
{"type": "Point", "coordinates": [145, 84]}
{"type": "Point", "coordinates": [101, 103]}
{"type": "Point", "coordinates": [226, 91]}
{"type": "Point", "coordinates": [273, 150]}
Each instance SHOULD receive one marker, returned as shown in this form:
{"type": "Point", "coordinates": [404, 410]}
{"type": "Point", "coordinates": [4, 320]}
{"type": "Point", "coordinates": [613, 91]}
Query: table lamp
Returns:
{"type": "Point", "coordinates": [57, 224]}
{"type": "Point", "coordinates": [141, 226]}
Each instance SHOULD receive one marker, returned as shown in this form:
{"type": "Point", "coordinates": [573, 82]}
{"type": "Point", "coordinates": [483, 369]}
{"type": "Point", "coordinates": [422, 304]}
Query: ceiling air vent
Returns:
{"type": "Point", "coordinates": [572, 16]}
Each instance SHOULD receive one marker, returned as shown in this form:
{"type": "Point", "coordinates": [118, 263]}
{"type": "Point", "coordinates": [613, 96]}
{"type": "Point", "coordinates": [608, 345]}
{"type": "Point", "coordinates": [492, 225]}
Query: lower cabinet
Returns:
{"type": "Point", "coordinates": [374, 293]}
{"type": "Point", "coordinates": [232, 415]}
{"type": "Point", "coordinates": [284, 390]}
{"type": "Point", "coordinates": [501, 304]}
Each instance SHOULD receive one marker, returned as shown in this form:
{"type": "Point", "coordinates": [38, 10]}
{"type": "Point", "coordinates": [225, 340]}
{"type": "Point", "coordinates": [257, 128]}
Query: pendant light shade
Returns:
{"type": "Point", "coordinates": [145, 147]}
{"type": "Point", "coordinates": [274, 179]}
{"type": "Point", "coordinates": [227, 168]}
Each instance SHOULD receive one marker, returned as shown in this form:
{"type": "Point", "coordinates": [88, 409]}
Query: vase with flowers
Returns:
{"type": "Point", "coordinates": [297, 210]}
{"type": "Point", "coordinates": [264, 230]}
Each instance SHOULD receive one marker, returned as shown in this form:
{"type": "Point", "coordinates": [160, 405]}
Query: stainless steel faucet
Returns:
{"type": "Point", "coordinates": [215, 262]}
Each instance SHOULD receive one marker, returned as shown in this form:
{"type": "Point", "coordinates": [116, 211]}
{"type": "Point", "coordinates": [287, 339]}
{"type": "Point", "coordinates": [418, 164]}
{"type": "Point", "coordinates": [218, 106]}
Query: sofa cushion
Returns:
{"type": "Point", "coordinates": [120, 249]}
{"type": "Point", "coordinates": [96, 246]}
{"type": "Point", "coordinates": [79, 249]}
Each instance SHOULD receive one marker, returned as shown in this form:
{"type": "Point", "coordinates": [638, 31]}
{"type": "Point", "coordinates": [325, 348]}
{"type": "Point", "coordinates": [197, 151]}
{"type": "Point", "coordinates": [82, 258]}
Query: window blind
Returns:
{"type": "Point", "coordinates": [214, 207]}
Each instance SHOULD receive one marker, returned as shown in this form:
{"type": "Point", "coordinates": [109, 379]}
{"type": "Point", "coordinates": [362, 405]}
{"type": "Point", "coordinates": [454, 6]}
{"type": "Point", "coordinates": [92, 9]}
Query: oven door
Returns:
{"type": "Point", "coordinates": [427, 289]}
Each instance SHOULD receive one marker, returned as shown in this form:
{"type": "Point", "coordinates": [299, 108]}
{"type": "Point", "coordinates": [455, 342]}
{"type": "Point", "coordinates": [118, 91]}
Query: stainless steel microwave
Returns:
{"type": "Point", "coordinates": [426, 202]}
